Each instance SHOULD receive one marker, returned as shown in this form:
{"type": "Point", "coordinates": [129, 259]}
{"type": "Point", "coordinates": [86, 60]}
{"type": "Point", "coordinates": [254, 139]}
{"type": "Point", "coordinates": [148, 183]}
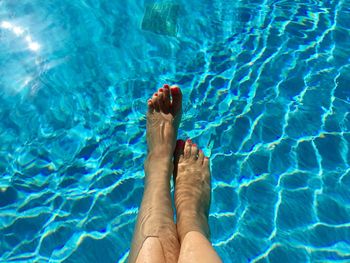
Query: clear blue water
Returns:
{"type": "Point", "coordinates": [266, 94]}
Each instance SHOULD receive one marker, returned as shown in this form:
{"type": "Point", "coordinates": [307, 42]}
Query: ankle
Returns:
{"type": "Point", "coordinates": [159, 157]}
{"type": "Point", "coordinates": [182, 233]}
{"type": "Point", "coordinates": [192, 222]}
{"type": "Point", "coordinates": [158, 171]}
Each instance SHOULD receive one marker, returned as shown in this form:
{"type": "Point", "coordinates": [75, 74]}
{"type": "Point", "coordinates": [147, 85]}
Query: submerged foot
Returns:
{"type": "Point", "coordinates": [163, 119]}
{"type": "Point", "coordinates": [192, 189]}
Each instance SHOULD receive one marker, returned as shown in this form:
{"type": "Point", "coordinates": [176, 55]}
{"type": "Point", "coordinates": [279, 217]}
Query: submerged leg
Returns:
{"type": "Point", "coordinates": [192, 201]}
{"type": "Point", "coordinates": [155, 236]}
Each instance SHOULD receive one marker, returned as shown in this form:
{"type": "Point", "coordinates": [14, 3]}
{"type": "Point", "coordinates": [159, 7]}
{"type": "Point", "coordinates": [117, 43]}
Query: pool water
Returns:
{"type": "Point", "coordinates": [266, 94]}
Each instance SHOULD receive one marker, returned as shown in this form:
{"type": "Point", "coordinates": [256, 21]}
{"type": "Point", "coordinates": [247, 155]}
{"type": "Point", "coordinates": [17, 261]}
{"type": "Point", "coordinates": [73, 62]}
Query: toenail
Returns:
{"type": "Point", "coordinates": [188, 140]}
{"type": "Point", "coordinates": [180, 142]}
{"type": "Point", "coordinates": [176, 90]}
{"type": "Point", "coordinates": [194, 145]}
{"type": "Point", "coordinates": [166, 86]}
{"type": "Point", "coordinates": [156, 94]}
{"type": "Point", "coordinates": [161, 90]}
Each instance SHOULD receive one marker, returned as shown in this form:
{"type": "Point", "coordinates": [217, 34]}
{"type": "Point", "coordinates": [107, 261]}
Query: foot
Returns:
{"type": "Point", "coordinates": [163, 119]}
{"type": "Point", "coordinates": [155, 221]}
{"type": "Point", "coordinates": [192, 189]}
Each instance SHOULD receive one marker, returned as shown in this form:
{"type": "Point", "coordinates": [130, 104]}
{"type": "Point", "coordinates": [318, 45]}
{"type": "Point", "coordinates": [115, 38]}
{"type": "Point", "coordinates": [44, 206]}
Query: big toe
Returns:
{"type": "Point", "coordinates": [166, 99]}
{"type": "Point", "coordinates": [176, 104]}
{"type": "Point", "coordinates": [178, 154]}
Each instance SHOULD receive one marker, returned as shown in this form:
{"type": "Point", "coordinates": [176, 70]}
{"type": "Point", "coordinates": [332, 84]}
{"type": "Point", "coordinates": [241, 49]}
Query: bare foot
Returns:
{"type": "Point", "coordinates": [163, 119]}
{"type": "Point", "coordinates": [192, 189]}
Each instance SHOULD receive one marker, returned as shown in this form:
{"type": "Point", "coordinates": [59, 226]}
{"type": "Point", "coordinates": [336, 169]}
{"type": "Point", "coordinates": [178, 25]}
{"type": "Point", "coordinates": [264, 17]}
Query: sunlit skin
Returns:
{"type": "Point", "coordinates": [157, 238]}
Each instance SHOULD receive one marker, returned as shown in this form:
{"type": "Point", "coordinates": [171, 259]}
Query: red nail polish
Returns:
{"type": "Point", "coordinates": [195, 145]}
{"type": "Point", "coordinates": [161, 90]}
{"type": "Point", "coordinates": [166, 86]}
{"type": "Point", "coordinates": [156, 94]}
{"type": "Point", "coordinates": [180, 143]}
{"type": "Point", "coordinates": [176, 90]}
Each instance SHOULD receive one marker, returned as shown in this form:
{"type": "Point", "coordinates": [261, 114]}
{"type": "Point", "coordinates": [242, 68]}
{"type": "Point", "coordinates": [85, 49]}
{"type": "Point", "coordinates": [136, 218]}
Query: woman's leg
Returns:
{"type": "Point", "coordinates": [195, 247]}
{"type": "Point", "coordinates": [155, 236]}
{"type": "Point", "coordinates": [192, 201]}
{"type": "Point", "coordinates": [151, 251]}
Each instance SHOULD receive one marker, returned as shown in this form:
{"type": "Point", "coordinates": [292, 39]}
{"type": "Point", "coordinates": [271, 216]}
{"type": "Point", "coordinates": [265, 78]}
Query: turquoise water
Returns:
{"type": "Point", "coordinates": [266, 94]}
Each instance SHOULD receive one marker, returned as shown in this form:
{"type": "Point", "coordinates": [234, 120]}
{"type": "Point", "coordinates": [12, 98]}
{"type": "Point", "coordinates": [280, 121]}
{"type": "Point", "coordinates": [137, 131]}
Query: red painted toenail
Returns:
{"type": "Point", "coordinates": [166, 86]}
{"type": "Point", "coordinates": [176, 90]}
{"type": "Point", "coordinates": [188, 140]}
{"type": "Point", "coordinates": [180, 143]}
{"type": "Point", "coordinates": [156, 94]}
{"type": "Point", "coordinates": [160, 90]}
{"type": "Point", "coordinates": [195, 145]}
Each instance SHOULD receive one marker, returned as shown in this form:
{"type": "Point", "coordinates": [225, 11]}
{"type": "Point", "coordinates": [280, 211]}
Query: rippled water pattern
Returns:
{"type": "Point", "coordinates": [266, 94]}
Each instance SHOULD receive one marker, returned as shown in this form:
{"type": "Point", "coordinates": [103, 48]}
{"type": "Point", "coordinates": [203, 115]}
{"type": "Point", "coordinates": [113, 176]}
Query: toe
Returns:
{"type": "Point", "coordinates": [200, 156]}
{"type": "Point", "coordinates": [178, 155]}
{"type": "Point", "coordinates": [155, 102]}
{"type": "Point", "coordinates": [179, 150]}
{"type": "Point", "coordinates": [150, 106]}
{"type": "Point", "coordinates": [194, 152]}
{"type": "Point", "coordinates": [176, 103]}
{"type": "Point", "coordinates": [166, 98]}
{"type": "Point", "coordinates": [206, 162]}
{"type": "Point", "coordinates": [187, 149]}
{"type": "Point", "coordinates": [161, 100]}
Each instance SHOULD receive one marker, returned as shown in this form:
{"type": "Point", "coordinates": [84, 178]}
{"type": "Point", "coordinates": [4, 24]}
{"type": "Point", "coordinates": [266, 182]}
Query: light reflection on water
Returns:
{"type": "Point", "coordinates": [21, 54]}
{"type": "Point", "coordinates": [19, 31]}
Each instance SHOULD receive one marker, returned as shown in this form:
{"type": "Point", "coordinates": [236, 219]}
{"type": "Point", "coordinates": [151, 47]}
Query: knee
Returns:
{"type": "Point", "coordinates": [151, 251]}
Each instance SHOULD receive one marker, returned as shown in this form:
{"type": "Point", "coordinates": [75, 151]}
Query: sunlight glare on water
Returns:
{"type": "Point", "coordinates": [18, 31]}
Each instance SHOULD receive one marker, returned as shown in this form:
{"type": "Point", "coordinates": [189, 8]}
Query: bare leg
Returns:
{"type": "Point", "coordinates": [155, 237]}
{"type": "Point", "coordinates": [192, 201]}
